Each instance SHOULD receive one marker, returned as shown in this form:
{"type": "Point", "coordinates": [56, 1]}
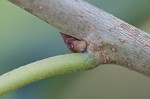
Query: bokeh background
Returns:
{"type": "Point", "coordinates": [25, 39]}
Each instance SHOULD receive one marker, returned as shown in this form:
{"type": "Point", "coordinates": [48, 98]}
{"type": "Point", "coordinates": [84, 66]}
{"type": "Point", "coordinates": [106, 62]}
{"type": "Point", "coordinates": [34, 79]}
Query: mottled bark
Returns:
{"type": "Point", "coordinates": [109, 39]}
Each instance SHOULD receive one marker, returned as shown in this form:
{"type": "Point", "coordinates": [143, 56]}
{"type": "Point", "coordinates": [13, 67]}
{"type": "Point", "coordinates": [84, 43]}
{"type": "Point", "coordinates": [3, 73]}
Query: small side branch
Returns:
{"type": "Point", "coordinates": [45, 68]}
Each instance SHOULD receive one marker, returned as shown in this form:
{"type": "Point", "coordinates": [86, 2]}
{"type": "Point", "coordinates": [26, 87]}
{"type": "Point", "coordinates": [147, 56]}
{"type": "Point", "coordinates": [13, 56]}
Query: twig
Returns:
{"type": "Point", "coordinates": [45, 68]}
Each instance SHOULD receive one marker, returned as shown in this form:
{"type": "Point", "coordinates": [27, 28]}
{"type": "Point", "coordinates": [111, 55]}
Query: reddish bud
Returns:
{"type": "Point", "coordinates": [74, 44]}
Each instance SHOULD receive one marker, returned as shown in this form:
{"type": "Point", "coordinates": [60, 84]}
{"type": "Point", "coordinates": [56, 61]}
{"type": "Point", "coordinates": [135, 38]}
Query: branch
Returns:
{"type": "Point", "coordinates": [109, 39]}
{"type": "Point", "coordinates": [45, 68]}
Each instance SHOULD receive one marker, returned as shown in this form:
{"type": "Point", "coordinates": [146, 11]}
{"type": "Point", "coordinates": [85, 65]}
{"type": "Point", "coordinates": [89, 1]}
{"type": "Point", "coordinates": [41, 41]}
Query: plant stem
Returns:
{"type": "Point", "coordinates": [109, 39]}
{"type": "Point", "coordinates": [45, 68]}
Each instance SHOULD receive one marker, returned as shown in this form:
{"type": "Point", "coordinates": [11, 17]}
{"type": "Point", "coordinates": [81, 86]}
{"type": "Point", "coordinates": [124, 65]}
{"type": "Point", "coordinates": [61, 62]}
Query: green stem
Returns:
{"type": "Point", "coordinates": [45, 68]}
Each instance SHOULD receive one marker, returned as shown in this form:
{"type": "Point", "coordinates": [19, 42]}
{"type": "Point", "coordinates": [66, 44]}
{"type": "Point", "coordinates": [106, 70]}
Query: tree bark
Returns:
{"type": "Point", "coordinates": [109, 39]}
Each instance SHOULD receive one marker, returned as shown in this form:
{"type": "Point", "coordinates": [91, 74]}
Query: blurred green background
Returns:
{"type": "Point", "coordinates": [25, 39]}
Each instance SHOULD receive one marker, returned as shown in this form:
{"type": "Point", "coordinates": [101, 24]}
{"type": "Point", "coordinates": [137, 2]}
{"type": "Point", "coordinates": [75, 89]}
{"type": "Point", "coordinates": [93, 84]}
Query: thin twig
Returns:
{"type": "Point", "coordinates": [45, 68]}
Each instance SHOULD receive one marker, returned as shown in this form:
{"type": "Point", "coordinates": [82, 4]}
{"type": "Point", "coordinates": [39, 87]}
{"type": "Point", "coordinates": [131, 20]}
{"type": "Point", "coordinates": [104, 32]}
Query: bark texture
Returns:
{"type": "Point", "coordinates": [109, 39]}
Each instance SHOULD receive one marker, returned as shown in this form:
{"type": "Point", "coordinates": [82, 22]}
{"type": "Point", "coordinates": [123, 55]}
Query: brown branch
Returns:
{"type": "Point", "coordinates": [109, 39]}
